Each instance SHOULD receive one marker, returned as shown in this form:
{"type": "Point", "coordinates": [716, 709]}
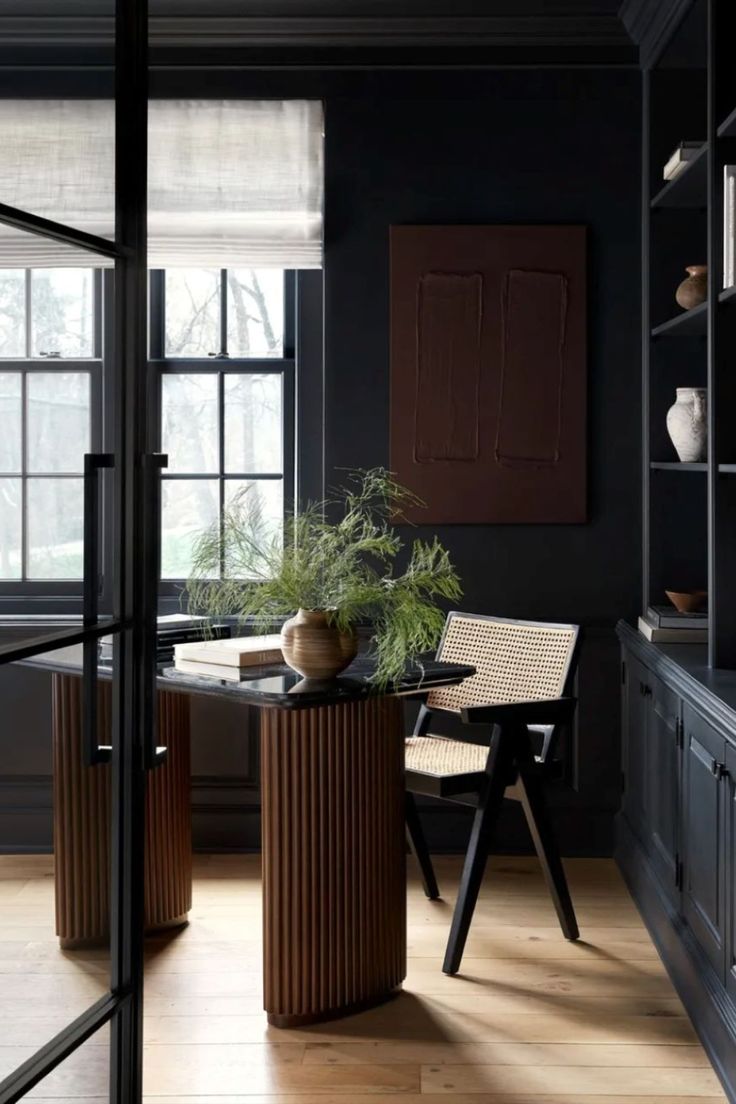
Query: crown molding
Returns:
{"type": "Point", "coordinates": [571, 30]}
{"type": "Point", "coordinates": [651, 24]}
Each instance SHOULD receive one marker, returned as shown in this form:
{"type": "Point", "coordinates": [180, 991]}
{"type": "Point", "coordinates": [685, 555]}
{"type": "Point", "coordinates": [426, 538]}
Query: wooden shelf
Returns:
{"type": "Point", "coordinates": [692, 323]}
{"type": "Point", "coordinates": [690, 188]}
{"type": "Point", "coordinates": [727, 129]}
{"type": "Point", "coordinates": [677, 465]}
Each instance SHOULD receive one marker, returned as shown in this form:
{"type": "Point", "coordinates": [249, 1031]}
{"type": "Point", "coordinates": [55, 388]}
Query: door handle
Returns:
{"type": "Point", "coordinates": [153, 463]}
{"type": "Point", "coordinates": [93, 752]}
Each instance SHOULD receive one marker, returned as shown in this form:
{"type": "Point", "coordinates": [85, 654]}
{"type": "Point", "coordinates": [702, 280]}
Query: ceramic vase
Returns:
{"type": "Point", "coordinates": [694, 289]}
{"type": "Point", "coordinates": [687, 424]}
{"type": "Point", "coordinates": [315, 648]}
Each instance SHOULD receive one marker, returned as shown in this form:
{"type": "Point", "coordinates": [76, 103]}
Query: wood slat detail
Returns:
{"type": "Point", "coordinates": [333, 859]}
{"type": "Point", "coordinates": [82, 819]}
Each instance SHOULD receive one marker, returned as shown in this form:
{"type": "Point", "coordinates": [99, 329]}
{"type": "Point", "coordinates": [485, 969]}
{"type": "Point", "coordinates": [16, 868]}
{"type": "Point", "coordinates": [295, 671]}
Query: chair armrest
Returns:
{"type": "Point", "coordinates": [549, 711]}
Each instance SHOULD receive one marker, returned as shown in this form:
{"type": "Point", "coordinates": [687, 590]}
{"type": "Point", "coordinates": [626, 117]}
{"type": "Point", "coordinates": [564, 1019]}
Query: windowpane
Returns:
{"type": "Point", "coordinates": [62, 312]}
{"type": "Point", "coordinates": [192, 312]}
{"type": "Point", "coordinates": [187, 507]}
{"type": "Point", "coordinates": [55, 528]}
{"type": "Point", "coordinates": [10, 529]}
{"type": "Point", "coordinates": [10, 441]}
{"type": "Point", "coordinates": [12, 312]}
{"type": "Point", "coordinates": [264, 495]}
{"type": "Point", "coordinates": [58, 421]}
{"type": "Point", "coordinates": [255, 312]}
{"type": "Point", "coordinates": [253, 423]}
{"type": "Point", "coordinates": [189, 431]}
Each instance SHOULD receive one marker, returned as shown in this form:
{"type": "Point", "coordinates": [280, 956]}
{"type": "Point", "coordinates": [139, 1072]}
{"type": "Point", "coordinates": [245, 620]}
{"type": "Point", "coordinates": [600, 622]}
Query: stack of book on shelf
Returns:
{"type": "Point", "coordinates": [680, 158]}
{"type": "Point", "coordinates": [172, 629]}
{"type": "Point", "coordinates": [228, 659]}
{"type": "Point", "coordinates": [666, 625]}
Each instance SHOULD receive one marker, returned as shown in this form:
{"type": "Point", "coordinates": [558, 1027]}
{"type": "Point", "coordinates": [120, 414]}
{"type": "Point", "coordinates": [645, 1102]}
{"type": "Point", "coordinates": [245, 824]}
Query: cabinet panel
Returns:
{"type": "Point", "coordinates": [634, 713]}
{"type": "Point", "coordinates": [704, 835]}
{"type": "Point", "coordinates": [663, 753]}
{"type": "Point", "coordinates": [731, 871]}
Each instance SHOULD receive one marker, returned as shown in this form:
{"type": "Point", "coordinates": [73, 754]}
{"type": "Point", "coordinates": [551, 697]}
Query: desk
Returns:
{"type": "Point", "coordinates": [332, 813]}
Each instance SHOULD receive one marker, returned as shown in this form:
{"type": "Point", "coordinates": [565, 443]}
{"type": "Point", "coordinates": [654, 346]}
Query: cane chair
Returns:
{"type": "Point", "coordinates": [520, 694]}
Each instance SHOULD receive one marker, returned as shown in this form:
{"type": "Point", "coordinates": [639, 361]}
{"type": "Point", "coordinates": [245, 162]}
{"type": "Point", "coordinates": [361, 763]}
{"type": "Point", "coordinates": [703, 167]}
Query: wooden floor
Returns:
{"type": "Point", "coordinates": [532, 1019]}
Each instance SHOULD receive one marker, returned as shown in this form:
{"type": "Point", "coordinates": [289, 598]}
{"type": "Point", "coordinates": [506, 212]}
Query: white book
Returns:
{"type": "Point", "coordinates": [729, 225]}
{"type": "Point", "coordinates": [211, 670]}
{"type": "Point", "coordinates": [672, 636]}
{"type": "Point", "coordinates": [680, 159]}
{"type": "Point", "coordinates": [234, 652]}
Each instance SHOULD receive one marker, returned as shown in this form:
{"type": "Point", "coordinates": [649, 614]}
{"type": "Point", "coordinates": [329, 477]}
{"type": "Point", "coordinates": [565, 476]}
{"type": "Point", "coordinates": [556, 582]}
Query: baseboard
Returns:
{"type": "Point", "coordinates": [708, 1004]}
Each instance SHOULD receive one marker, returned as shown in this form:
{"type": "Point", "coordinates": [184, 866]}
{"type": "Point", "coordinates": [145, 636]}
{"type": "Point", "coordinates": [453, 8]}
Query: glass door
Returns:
{"type": "Point", "coordinates": [71, 932]}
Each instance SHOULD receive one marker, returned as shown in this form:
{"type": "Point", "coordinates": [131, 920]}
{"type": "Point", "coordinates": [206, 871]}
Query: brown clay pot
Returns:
{"type": "Point", "coordinates": [315, 648]}
{"type": "Point", "coordinates": [694, 290]}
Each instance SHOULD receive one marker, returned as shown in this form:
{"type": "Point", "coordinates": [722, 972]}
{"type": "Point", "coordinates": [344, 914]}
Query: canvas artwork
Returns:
{"type": "Point", "coordinates": [488, 371]}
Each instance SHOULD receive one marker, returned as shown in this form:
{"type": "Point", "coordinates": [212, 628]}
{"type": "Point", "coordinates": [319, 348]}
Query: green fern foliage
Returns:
{"type": "Point", "coordinates": [339, 556]}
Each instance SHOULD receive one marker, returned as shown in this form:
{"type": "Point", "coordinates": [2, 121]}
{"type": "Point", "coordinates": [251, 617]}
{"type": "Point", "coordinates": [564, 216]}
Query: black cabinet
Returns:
{"type": "Point", "coordinates": [651, 768]}
{"type": "Point", "coordinates": [634, 758]}
{"type": "Point", "coordinates": [676, 832]}
{"type": "Point", "coordinates": [664, 727]}
{"type": "Point", "coordinates": [730, 785]}
{"type": "Point", "coordinates": [704, 835]}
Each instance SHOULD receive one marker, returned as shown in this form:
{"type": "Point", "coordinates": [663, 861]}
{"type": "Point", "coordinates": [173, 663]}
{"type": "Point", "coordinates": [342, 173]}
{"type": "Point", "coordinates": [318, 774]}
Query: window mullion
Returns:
{"type": "Point", "coordinates": [221, 462]}
{"type": "Point", "coordinates": [223, 312]}
{"type": "Point", "coordinates": [28, 326]}
{"type": "Point", "coordinates": [23, 476]}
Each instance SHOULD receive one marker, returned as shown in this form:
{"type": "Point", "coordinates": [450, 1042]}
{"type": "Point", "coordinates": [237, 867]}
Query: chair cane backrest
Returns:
{"type": "Point", "coordinates": [514, 660]}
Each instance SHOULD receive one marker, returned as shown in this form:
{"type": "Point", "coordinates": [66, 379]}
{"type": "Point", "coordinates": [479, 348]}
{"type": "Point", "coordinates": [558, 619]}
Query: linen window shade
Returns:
{"type": "Point", "coordinates": [232, 183]}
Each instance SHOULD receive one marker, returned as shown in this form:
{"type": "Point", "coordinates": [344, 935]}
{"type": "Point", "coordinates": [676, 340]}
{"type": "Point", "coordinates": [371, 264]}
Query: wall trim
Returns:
{"type": "Point", "coordinates": [321, 31]}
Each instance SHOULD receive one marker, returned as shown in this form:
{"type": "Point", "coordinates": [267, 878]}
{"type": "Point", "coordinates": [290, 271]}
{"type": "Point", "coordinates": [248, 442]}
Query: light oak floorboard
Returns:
{"type": "Point", "coordinates": [532, 1019]}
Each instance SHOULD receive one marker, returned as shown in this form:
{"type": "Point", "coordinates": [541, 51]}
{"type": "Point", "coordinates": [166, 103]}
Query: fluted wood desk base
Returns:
{"type": "Point", "coordinates": [334, 879]}
{"type": "Point", "coordinates": [82, 820]}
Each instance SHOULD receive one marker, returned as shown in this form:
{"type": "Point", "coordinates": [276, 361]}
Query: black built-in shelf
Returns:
{"type": "Point", "coordinates": [690, 188]}
{"type": "Point", "coordinates": [677, 465]}
{"type": "Point", "coordinates": [727, 129]}
{"type": "Point", "coordinates": [691, 323]}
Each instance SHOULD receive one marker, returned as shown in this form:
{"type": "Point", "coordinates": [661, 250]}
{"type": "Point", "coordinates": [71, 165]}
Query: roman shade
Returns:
{"type": "Point", "coordinates": [231, 183]}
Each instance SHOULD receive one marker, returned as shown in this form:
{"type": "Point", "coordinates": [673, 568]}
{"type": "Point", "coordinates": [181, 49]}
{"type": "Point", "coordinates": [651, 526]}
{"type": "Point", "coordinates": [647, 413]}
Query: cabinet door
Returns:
{"type": "Point", "coordinates": [704, 835]}
{"type": "Point", "coordinates": [663, 777]}
{"type": "Point", "coordinates": [731, 871]}
{"type": "Point", "coordinates": [634, 712]}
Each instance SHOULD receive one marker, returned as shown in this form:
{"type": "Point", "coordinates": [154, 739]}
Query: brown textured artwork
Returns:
{"type": "Point", "coordinates": [488, 372]}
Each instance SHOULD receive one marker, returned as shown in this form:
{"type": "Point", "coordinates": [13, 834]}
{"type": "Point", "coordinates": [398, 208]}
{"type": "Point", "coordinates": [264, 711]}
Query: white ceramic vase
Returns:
{"type": "Point", "coordinates": [687, 424]}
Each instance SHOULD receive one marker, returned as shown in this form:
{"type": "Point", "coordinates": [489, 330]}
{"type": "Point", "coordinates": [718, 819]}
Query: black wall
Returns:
{"type": "Point", "coordinates": [546, 146]}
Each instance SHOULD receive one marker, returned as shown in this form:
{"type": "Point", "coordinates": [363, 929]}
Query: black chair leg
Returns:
{"type": "Point", "coordinates": [531, 793]}
{"type": "Point", "coordinates": [418, 847]}
{"type": "Point", "coordinates": [484, 822]}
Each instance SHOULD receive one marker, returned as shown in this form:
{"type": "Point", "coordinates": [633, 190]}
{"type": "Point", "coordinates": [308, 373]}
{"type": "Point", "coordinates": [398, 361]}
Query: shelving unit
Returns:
{"type": "Point", "coordinates": [693, 322]}
{"type": "Point", "coordinates": [690, 524]}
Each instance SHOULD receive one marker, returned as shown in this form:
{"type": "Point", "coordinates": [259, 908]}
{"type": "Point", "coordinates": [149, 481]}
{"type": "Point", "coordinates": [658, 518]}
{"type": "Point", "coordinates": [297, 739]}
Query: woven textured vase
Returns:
{"type": "Point", "coordinates": [315, 648]}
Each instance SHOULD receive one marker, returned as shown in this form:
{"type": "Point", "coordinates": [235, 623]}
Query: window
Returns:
{"type": "Point", "coordinates": [49, 402]}
{"type": "Point", "coordinates": [224, 342]}
{"type": "Point", "coordinates": [222, 352]}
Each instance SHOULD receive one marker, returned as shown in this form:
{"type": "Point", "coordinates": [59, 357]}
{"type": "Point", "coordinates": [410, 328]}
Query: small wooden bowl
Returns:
{"type": "Point", "coordinates": [688, 601]}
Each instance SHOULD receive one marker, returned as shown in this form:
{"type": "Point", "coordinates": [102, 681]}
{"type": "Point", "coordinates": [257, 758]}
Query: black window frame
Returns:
{"type": "Point", "coordinates": [221, 364]}
{"type": "Point", "coordinates": [302, 368]}
{"type": "Point", "coordinates": [51, 596]}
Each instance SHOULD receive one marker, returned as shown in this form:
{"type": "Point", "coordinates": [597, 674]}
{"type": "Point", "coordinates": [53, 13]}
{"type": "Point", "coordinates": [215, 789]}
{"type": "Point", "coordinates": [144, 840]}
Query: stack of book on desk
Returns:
{"type": "Point", "coordinates": [227, 659]}
{"type": "Point", "coordinates": [666, 625]}
{"type": "Point", "coordinates": [172, 629]}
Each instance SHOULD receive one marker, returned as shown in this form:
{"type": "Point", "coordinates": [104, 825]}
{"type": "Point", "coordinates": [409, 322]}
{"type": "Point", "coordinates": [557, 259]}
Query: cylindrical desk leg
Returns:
{"type": "Point", "coordinates": [334, 877]}
{"type": "Point", "coordinates": [82, 820]}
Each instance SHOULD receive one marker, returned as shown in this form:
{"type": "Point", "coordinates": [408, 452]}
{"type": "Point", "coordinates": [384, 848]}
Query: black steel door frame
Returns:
{"type": "Point", "coordinates": [135, 572]}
